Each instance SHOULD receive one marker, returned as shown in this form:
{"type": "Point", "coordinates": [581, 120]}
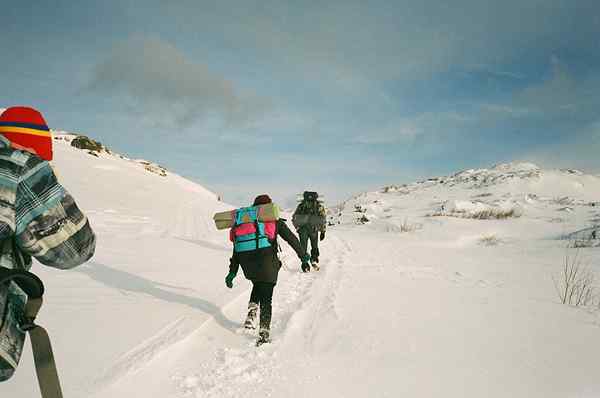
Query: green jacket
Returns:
{"type": "Point", "coordinates": [310, 215]}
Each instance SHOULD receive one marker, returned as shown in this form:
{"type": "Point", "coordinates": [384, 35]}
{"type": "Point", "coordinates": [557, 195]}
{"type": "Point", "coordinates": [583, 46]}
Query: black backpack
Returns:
{"type": "Point", "coordinates": [21, 295]}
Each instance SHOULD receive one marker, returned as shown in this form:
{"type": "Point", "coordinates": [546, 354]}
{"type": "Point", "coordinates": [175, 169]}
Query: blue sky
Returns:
{"type": "Point", "coordinates": [248, 97]}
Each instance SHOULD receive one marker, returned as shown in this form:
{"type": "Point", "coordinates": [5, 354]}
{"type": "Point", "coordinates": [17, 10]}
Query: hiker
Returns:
{"type": "Point", "coordinates": [309, 219]}
{"type": "Point", "coordinates": [38, 218]}
{"type": "Point", "coordinates": [261, 264]}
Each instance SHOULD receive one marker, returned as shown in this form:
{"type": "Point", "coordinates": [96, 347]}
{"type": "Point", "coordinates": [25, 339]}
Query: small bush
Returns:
{"type": "Point", "coordinates": [494, 214]}
{"type": "Point", "coordinates": [83, 142]}
{"type": "Point", "coordinates": [362, 219]}
{"type": "Point", "coordinates": [488, 214]}
{"type": "Point", "coordinates": [575, 284]}
{"type": "Point", "coordinates": [409, 227]}
{"type": "Point", "coordinates": [489, 240]}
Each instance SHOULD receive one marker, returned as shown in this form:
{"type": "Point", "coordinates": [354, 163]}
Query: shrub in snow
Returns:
{"type": "Point", "coordinates": [83, 142]}
{"type": "Point", "coordinates": [575, 283]}
{"type": "Point", "coordinates": [409, 227]}
{"type": "Point", "coordinates": [359, 209]}
{"type": "Point", "coordinates": [362, 220]}
{"type": "Point", "coordinates": [489, 240]}
{"type": "Point", "coordinates": [479, 210]}
{"type": "Point", "coordinates": [154, 168]}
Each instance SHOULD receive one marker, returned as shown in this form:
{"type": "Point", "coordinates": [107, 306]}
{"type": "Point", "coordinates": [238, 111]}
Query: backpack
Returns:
{"type": "Point", "coordinates": [21, 295]}
{"type": "Point", "coordinates": [310, 212]}
{"type": "Point", "coordinates": [248, 233]}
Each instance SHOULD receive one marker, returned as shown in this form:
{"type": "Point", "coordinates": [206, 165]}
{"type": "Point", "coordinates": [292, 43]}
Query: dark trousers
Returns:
{"type": "Point", "coordinates": [262, 294]}
{"type": "Point", "coordinates": [313, 235]}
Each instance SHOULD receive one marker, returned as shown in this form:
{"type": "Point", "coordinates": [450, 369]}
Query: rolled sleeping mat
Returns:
{"type": "Point", "coordinates": [300, 220]}
{"type": "Point", "coordinates": [300, 198]}
{"type": "Point", "coordinates": [265, 213]}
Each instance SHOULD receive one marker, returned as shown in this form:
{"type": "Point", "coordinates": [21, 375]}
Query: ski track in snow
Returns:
{"type": "Point", "coordinates": [301, 303]}
{"type": "Point", "coordinates": [142, 355]}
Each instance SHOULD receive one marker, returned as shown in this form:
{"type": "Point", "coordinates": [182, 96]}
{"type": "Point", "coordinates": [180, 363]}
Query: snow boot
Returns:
{"type": "Point", "coordinates": [315, 265]}
{"type": "Point", "coordinates": [251, 317]}
{"type": "Point", "coordinates": [263, 337]}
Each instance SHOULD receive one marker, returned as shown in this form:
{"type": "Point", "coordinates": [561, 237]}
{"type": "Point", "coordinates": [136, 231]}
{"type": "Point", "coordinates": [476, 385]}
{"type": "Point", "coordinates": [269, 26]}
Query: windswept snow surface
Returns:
{"type": "Point", "coordinates": [410, 300]}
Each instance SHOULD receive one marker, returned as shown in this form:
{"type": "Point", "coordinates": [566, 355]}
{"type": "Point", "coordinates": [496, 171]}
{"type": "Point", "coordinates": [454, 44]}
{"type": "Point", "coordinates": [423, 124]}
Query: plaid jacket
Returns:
{"type": "Point", "coordinates": [38, 216]}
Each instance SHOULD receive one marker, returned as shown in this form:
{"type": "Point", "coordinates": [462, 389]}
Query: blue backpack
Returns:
{"type": "Point", "coordinates": [248, 233]}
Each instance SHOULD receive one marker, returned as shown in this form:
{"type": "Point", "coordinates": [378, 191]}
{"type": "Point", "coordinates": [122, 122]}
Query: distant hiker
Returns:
{"type": "Point", "coordinates": [310, 219]}
{"type": "Point", "coordinates": [38, 218]}
{"type": "Point", "coordinates": [594, 234]}
{"type": "Point", "coordinates": [257, 254]}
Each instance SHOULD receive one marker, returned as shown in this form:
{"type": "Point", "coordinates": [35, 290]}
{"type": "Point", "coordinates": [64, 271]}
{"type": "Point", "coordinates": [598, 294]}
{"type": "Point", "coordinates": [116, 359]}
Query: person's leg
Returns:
{"type": "Point", "coordinates": [314, 246]}
{"type": "Point", "coordinates": [303, 235]}
{"type": "Point", "coordinates": [266, 298]}
{"type": "Point", "coordinates": [266, 301]}
{"type": "Point", "coordinates": [250, 322]}
{"type": "Point", "coordinates": [254, 294]}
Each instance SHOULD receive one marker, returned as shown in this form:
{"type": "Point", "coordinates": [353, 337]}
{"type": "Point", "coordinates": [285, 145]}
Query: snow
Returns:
{"type": "Point", "coordinates": [412, 302]}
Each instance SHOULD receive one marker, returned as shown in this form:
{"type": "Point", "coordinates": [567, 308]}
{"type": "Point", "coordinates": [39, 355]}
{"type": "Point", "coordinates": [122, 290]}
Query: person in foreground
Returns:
{"type": "Point", "coordinates": [257, 254]}
{"type": "Point", "coordinates": [38, 218]}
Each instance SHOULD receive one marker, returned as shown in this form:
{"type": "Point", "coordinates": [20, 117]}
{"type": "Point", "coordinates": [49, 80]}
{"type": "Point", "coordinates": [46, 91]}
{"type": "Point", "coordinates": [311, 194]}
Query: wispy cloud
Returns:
{"type": "Point", "coordinates": [171, 88]}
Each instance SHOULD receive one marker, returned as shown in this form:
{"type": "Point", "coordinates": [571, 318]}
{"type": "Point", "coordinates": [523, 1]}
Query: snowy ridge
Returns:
{"type": "Point", "coordinates": [507, 189]}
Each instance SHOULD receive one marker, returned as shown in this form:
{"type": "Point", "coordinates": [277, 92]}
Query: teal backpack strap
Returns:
{"type": "Point", "coordinates": [43, 356]}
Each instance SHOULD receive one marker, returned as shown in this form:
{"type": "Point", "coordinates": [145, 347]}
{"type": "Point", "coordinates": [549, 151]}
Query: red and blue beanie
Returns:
{"type": "Point", "coordinates": [26, 129]}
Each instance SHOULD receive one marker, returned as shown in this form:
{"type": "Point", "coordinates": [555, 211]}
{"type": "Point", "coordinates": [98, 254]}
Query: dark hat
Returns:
{"type": "Point", "coordinates": [309, 195]}
{"type": "Point", "coordinates": [262, 200]}
{"type": "Point", "coordinates": [26, 129]}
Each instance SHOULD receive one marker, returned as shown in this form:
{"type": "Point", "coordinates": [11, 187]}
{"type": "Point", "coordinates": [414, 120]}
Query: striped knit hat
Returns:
{"type": "Point", "coordinates": [26, 129]}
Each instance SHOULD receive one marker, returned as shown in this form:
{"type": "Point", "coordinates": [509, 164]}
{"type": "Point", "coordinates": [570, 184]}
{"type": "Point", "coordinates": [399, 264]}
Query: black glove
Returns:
{"type": "Point", "coordinates": [322, 235]}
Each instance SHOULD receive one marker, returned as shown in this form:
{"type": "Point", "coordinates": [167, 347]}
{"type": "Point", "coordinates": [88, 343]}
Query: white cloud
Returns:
{"type": "Point", "coordinates": [171, 88]}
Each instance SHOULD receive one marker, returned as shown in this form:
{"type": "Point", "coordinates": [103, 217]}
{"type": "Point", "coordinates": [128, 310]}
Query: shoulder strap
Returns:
{"type": "Point", "coordinates": [43, 356]}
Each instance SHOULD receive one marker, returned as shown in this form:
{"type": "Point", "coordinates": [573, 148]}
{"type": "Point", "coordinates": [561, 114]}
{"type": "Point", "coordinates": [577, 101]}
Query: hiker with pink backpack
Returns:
{"type": "Point", "coordinates": [254, 231]}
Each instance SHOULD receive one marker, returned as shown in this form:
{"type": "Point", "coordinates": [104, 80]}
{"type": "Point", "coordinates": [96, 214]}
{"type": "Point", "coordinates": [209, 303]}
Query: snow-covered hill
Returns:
{"type": "Point", "coordinates": [508, 190]}
{"type": "Point", "coordinates": [155, 271]}
{"type": "Point", "coordinates": [442, 288]}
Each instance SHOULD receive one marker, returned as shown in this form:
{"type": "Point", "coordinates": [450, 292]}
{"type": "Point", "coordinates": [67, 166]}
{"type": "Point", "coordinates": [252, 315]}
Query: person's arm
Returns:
{"type": "Point", "coordinates": [48, 224]}
{"type": "Point", "coordinates": [296, 213]}
{"type": "Point", "coordinates": [234, 264]}
{"type": "Point", "coordinates": [290, 238]}
{"type": "Point", "coordinates": [323, 215]}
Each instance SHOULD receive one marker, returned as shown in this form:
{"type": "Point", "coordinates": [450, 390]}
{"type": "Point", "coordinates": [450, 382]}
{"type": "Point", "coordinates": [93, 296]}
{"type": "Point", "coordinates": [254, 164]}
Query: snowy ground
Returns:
{"type": "Point", "coordinates": [421, 300]}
